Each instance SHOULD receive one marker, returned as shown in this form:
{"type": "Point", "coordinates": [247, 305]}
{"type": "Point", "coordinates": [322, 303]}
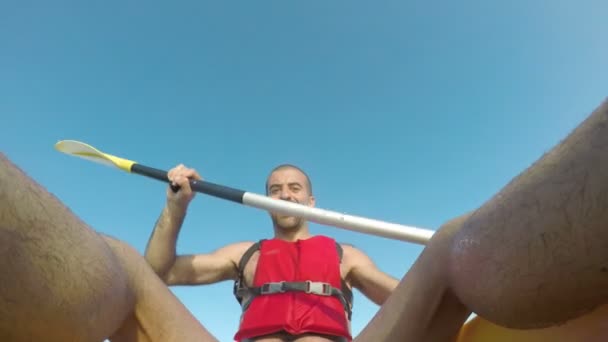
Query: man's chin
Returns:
{"type": "Point", "coordinates": [287, 227]}
{"type": "Point", "coordinates": [286, 223]}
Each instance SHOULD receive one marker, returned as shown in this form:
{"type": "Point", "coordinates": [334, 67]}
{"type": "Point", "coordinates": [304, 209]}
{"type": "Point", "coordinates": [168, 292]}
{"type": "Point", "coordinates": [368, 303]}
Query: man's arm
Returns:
{"type": "Point", "coordinates": [196, 269]}
{"type": "Point", "coordinates": [161, 250]}
{"type": "Point", "coordinates": [161, 253]}
{"type": "Point", "coordinates": [200, 269]}
{"type": "Point", "coordinates": [365, 276]}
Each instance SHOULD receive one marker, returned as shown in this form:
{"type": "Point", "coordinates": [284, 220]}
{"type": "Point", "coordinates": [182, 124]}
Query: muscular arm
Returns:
{"type": "Point", "coordinates": [209, 268]}
{"type": "Point", "coordinates": [365, 276]}
{"type": "Point", "coordinates": [160, 252]}
{"type": "Point", "coordinates": [194, 269]}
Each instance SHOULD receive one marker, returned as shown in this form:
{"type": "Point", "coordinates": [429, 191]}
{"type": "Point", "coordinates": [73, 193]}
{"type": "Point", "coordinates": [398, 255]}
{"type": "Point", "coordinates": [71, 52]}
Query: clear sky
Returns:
{"type": "Point", "coordinates": [405, 111]}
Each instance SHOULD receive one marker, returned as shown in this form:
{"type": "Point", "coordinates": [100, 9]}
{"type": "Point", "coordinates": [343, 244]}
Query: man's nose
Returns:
{"type": "Point", "coordinates": [285, 194]}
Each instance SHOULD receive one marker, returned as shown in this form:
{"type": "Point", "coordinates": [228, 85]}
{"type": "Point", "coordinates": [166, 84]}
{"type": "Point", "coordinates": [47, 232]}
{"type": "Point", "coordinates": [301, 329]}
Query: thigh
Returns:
{"type": "Point", "coordinates": [60, 281]}
{"type": "Point", "coordinates": [422, 307]}
{"type": "Point", "coordinates": [536, 254]}
{"type": "Point", "coordinates": [158, 315]}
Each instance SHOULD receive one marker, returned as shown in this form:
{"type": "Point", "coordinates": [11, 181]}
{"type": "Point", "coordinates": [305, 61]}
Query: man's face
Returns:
{"type": "Point", "coordinates": [289, 184]}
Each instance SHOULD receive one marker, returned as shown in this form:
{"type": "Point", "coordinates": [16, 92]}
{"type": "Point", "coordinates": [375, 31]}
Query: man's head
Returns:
{"type": "Point", "coordinates": [289, 183]}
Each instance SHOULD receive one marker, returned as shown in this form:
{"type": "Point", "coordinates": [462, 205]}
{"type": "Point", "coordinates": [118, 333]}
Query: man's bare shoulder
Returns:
{"type": "Point", "coordinates": [240, 245]}
{"type": "Point", "coordinates": [353, 255]}
{"type": "Point", "coordinates": [235, 250]}
{"type": "Point", "coordinates": [349, 248]}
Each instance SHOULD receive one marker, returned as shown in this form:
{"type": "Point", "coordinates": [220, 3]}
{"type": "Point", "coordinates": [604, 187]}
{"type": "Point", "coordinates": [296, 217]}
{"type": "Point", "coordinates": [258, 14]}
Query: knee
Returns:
{"type": "Point", "coordinates": [443, 239]}
{"type": "Point", "coordinates": [469, 273]}
{"type": "Point", "coordinates": [482, 279]}
{"type": "Point", "coordinates": [501, 278]}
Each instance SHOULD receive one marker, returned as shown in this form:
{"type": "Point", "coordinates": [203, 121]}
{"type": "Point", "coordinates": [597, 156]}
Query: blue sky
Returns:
{"type": "Point", "coordinates": [405, 111]}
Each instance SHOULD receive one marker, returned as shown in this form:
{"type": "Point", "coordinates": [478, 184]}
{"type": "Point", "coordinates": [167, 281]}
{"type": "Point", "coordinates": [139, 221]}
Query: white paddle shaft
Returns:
{"type": "Point", "coordinates": [335, 219]}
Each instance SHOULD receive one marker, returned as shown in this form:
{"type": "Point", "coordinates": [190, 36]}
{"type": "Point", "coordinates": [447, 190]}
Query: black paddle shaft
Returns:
{"type": "Point", "coordinates": [208, 188]}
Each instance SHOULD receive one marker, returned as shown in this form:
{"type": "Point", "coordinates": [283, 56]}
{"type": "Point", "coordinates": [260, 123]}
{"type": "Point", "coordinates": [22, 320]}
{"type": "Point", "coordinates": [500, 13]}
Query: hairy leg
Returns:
{"type": "Point", "coordinates": [533, 256]}
{"type": "Point", "coordinates": [158, 315]}
{"type": "Point", "coordinates": [422, 307]}
{"type": "Point", "coordinates": [536, 254]}
{"type": "Point", "coordinates": [60, 281]}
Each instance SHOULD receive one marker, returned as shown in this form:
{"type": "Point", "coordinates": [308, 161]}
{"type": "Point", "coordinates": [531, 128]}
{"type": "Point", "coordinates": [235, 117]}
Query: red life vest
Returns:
{"type": "Point", "coordinates": [295, 290]}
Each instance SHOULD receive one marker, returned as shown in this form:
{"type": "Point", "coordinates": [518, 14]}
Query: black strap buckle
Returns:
{"type": "Point", "coordinates": [270, 288]}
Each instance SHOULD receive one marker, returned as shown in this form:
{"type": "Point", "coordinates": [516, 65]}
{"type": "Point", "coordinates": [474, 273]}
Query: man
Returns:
{"type": "Point", "coordinates": [297, 256]}
{"type": "Point", "coordinates": [534, 255]}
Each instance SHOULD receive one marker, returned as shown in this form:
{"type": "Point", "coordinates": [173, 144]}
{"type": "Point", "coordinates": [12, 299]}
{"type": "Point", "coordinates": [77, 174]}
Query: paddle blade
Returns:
{"type": "Point", "coordinates": [88, 152]}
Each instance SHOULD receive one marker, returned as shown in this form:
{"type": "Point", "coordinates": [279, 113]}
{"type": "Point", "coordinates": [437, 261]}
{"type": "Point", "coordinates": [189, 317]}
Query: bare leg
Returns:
{"type": "Point", "coordinates": [422, 307]}
{"type": "Point", "coordinates": [158, 316]}
{"type": "Point", "coordinates": [533, 256]}
{"type": "Point", "coordinates": [536, 254]}
{"type": "Point", "coordinates": [55, 270]}
{"type": "Point", "coordinates": [61, 281]}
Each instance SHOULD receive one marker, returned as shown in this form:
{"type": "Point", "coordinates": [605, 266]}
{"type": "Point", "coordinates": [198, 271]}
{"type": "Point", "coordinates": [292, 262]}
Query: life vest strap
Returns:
{"type": "Point", "coordinates": [312, 287]}
{"type": "Point", "coordinates": [318, 288]}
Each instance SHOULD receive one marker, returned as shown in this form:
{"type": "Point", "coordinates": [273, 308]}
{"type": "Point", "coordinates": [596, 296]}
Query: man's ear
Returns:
{"type": "Point", "coordinates": [311, 201]}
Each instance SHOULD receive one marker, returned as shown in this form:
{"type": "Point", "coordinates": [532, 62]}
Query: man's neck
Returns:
{"type": "Point", "coordinates": [300, 233]}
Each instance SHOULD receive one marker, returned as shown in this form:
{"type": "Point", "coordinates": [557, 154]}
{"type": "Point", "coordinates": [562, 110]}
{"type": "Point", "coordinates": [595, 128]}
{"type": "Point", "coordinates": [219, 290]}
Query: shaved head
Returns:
{"type": "Point", "coordinates": [290, 166]}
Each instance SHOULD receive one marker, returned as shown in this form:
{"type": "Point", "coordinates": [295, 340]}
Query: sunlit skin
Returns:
{"type": "Point", "coordinates": [289, 184]}
{"type": "Point", "coordinates": [283, 183]}
{"type": "Point", "coordinates": [532, 256]}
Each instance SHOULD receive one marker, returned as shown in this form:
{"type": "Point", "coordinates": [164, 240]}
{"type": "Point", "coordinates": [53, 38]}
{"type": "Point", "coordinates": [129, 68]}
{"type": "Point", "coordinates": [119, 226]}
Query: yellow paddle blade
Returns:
{"type": "Point", "coordinates": [85, 151]}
